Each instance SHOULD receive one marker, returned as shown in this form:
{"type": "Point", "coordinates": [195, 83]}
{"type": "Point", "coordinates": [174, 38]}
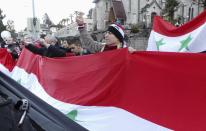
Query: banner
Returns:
{"type": "Point", "coordinates": [116, 90]}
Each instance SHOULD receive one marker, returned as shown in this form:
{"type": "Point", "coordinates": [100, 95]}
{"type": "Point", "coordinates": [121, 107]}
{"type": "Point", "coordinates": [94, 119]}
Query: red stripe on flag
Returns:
{"type": "Point", "coordinates": [6, 59]}
{"type": "Point", "coordinates": [165, 28]}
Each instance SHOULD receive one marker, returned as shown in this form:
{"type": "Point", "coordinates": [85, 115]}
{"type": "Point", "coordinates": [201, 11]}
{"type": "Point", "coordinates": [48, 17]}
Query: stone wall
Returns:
{"type": "Point", "coordinates": [138, 42]}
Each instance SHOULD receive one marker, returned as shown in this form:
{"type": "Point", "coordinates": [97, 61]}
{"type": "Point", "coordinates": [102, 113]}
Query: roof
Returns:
{"type": "Point", "coordinates": [149, 5]}
{"type": "Point", "coordinates": [96, 1]}
{"type": "Point", "coordinates": [119, 11]}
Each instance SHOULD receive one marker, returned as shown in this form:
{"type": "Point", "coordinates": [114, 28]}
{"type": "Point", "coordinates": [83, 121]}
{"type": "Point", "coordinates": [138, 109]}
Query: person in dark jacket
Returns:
{"type": "Point", "coordinates": [12, 47]}
{"type": "Point", "coordinates": [49, 47]}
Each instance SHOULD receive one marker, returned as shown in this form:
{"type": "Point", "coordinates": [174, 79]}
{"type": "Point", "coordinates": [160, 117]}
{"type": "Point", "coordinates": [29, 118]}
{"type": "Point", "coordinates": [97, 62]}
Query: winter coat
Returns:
{"type": "Point", "coordinates": [51, 51]}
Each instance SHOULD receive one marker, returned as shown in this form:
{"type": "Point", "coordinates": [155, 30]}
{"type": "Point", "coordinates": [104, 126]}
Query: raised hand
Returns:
{"type": "Point", "coordinates": [79, 20]}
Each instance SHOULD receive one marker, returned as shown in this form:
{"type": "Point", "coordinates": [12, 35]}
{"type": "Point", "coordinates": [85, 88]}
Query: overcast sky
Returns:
{"type": "Point", "coordinates": [19, 10]}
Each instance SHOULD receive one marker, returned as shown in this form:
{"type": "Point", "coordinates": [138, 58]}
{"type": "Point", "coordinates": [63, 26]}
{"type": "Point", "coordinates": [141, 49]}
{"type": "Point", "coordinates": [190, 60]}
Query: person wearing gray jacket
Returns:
{"type": "Point", "coordinates": [114, 38]}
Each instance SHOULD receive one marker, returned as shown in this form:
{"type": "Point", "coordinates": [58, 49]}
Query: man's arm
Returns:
{"type": "Point", "coordinates": [86, 39]}
{"type": "Point", "coordinates": [88, 42]}
{"type": "Point", "coordinates": [55, 52]}
{"type": "Point", "coordinates": [35, 49]}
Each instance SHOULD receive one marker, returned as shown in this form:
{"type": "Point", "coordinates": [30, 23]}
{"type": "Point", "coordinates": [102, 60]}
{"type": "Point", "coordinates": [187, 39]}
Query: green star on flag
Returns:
{"type": "Point", "coordinates": [72, 114]}
{"type": "Point", "coordinates": [19, 81]}
{"type": "Point", "coordinates": [185, 43]}
{"type": "Point", "coordinates": [160, 43]}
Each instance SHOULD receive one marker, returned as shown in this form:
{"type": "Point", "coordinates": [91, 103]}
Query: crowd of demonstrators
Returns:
{"type": "Point", "coordinates": [45, 47]}
{"type": "Point", "coordinates": [114, 38]}
{"type": "Point", "coordinates": [73, 47]}
{"type": "Point", "coordinates": [49, 46]}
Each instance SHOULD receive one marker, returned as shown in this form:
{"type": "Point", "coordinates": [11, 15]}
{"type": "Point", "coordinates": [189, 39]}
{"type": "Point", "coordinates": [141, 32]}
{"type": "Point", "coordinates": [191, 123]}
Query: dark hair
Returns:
{"type": "Point", "coordinates": [74, 40]}
{"type": "Point", "coordinates": [42, 36]}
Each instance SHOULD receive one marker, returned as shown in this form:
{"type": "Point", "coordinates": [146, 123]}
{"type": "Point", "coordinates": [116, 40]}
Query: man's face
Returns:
{"type": "Point", "coordinates": [110, 38]}
{"type": "Point", "coordinates": [50, 41]}
{"type": "Point", "coordinates": [65, 44]}
{"type": "Point", "coordinates": [27, 39]}
{"type": "Point", "coordinates": [21, 44]}
{"type": "Point", "coordinates": [47, 41]}
{"type": "Point", "coordinates": [75, 49]}
{"type": "Point", "coordinates": [9, 41]}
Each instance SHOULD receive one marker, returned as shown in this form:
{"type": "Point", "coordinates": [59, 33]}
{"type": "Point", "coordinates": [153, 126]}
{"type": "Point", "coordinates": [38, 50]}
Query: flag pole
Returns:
{"type": "Point", "coordinates": [34, 20]}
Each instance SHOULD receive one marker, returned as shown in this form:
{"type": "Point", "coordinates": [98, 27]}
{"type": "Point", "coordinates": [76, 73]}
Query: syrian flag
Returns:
{"type": "Point", "coordinates": [118, 91]}
{"type": "Point", "coordinates": [189, 37]}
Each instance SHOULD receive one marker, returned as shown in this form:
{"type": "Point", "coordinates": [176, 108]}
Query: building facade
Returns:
{"type": "Point", "coordinates": [188, 9]}
{"type": "Point", "coordinates": [129, 12]}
